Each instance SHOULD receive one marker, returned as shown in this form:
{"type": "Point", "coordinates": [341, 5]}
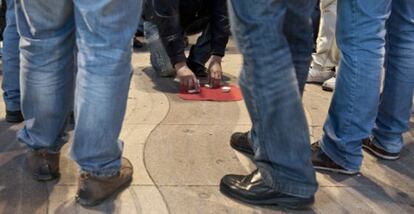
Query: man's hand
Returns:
{"type": "Point", "coordinates": [215, 71]}
{"type": "Point", "coordinates": [186, 76]}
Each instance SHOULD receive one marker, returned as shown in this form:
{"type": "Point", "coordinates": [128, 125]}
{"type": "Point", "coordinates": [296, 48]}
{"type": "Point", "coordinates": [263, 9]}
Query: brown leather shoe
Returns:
{"type": "Point", "coordinates": [93, 190]}
{"type": "Point", "coordinates": [43, 165]}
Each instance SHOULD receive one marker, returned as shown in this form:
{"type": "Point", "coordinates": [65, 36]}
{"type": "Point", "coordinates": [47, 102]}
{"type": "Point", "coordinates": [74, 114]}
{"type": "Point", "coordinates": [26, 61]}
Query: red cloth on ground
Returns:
{"type": "Point", "coordinates": [216, 94]}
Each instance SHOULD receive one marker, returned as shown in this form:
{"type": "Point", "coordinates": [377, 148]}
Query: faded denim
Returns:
{"type": "Point", "coordinates": [371, 34]}
{"type": "Point", "coordinates": [101, 32]}
{"type": "Point", "coordinates": [275, 38]}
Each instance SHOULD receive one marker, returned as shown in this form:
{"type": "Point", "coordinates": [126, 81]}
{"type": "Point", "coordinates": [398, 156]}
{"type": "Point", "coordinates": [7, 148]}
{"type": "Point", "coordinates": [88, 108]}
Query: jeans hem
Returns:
{"type": "Point", "coordinates": [288, 187]}
{"type": "Point", "coordinates": [12, 107]}
{"type": "Point", "coordinates": [101, 173]}
{"type": "Point", "coordinates": [22, 138]}
{"type": "Point", "coordinates": [378, 144]}
{"type": "Point", "coordinates": [336, 159]}
{"type": "Point", "coordinates": [49, 150]}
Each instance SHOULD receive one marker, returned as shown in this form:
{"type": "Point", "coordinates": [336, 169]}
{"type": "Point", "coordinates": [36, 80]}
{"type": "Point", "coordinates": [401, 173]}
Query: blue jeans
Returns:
{"type": "Point", "coordinates": [199, 53]}
{"type": "Point", "coordinates": [140, 24]}
{"type": "Point", "coordinates": [275, 38]}
{"type": "Point", "coordinates": [371, 34]}
{"type": "Point", "coordinates": [159, 57]}
{"type": "Point", "coordinates": [11, 85]}
{"type": "Point", "coordinates": [101, 32]}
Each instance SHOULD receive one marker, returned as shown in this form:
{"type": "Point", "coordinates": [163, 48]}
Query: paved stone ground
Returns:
{"type": "Point", "coordinates": [180, 151]}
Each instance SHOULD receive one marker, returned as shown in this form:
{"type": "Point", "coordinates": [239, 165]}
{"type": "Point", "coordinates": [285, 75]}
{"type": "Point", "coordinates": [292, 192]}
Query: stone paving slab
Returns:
{"type": "Point", "coordinates": [135, 200]}
{"type": "Point", "coordinates": [201, 154]}
{"type": "Point", "coordinates": [18, 192]}
{"type": "Point", "coordinates": [205, 199]}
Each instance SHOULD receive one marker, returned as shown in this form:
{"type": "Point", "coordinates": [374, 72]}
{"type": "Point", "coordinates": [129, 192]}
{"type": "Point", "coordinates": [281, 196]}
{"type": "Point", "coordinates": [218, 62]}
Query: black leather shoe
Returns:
{"type": "Point", "coordinates": [252, 189]}
{"type": "Point", "coordinates": [322, 162]}
{"type": "Point", "coordinates": [240, 142]}
{"type": "Point", "coordinates": [14, 116]}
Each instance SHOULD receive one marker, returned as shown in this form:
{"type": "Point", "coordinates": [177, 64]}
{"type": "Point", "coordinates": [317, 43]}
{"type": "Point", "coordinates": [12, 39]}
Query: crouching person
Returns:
{"type": "Point", "coordinates": [166, 24]}
{"type": "Point", "coordinates": [50, 30]}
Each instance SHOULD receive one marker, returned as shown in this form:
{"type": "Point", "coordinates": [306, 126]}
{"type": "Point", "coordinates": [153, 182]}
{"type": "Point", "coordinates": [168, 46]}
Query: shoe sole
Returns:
{"type": "Point", "coordinates": [378, 155]}
{"type": "Point", "coordinates": [314, 82]}
{"type": "Point", "coordinates": [341, 171]}
{"type": "Point", "coordinates": [243, 151]}
{"type": "Point", "coordinates": [327, 88]}
{"type": "Point", "coordinates": [94, 203]}
{"type": "Point", "coordinates": [13, 120]}
{"type": "Point", "coordinates": [270, 202]}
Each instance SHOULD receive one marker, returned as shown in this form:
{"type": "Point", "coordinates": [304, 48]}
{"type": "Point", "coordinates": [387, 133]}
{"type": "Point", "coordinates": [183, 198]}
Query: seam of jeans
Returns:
{"type": "Point", "coordinates": [350, 108]}
{"type": "Point", "coordinates": [258, 102]}
{"type": "Point", "coordinates": [259, 136]}
{"type": "Point", "coordinates": [253, 88]}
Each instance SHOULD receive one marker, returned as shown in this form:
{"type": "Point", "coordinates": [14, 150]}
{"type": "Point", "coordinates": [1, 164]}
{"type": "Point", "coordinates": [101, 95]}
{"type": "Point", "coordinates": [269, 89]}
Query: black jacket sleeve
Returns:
{"type": "Point", "coordinates": [220, 27]}
{"type": "Point", "coordinates": [165, 14]}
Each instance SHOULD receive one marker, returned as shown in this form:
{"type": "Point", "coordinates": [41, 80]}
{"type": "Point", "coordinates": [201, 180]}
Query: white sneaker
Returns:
{"type": "Point", "coordinates": [329, 85]}
{"type": "Point", "coordinates": [319, 75]}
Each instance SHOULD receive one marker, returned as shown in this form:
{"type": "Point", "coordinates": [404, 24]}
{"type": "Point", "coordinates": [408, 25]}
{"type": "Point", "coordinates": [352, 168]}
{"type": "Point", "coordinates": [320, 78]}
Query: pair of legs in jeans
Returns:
{"type": "Point", "coordinates": [371, 34]}
{"type": "Point", "coordinates": [10, 84]}
{"type": "Point", "coordinates": [275, 38]}
{"type": "Point", "coordinates": [199, 54]}
{"type": "Point", "coordinates": [50, 32]}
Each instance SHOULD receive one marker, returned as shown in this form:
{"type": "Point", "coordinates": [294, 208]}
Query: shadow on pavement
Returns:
{"type": "Point", "coordinates": [18, 191]}
{"type": "Point", "coordinates": [72, 207]}
{"type": "Point", "coordinates": [384, 182]}
{"type": "Point", "coordinates": [404, 165]}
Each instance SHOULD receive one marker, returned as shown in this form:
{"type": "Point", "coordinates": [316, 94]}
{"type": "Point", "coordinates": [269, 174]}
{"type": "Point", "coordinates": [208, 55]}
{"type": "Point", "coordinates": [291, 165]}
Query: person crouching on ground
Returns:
{"type": "Point", "coordinates": [166, 24]}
